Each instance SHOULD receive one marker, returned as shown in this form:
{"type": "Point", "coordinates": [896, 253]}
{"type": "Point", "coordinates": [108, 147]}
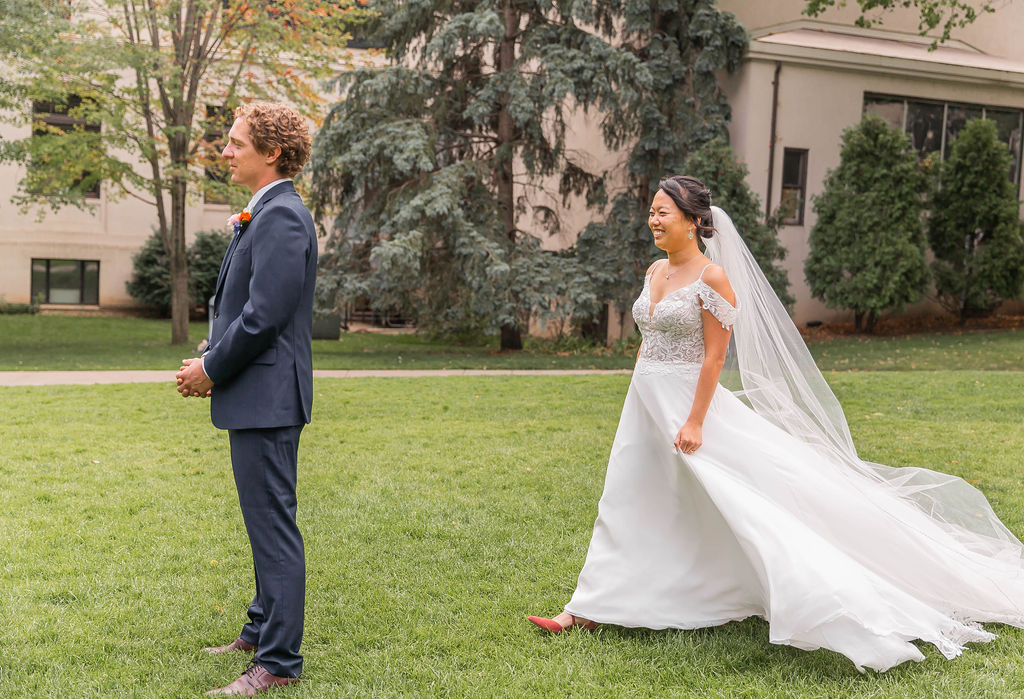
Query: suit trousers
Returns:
{"type": "Point", "coordinates": [264, 462]}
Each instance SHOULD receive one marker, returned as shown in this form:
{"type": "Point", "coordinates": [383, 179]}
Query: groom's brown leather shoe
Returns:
{"type": "Point", "coordinates": [254, 680]}
{"type": "Point", "coordinates": [237, 644]}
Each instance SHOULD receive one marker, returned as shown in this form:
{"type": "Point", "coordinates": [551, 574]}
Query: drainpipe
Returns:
{"type": "Point", "coordinates": [771, 142]}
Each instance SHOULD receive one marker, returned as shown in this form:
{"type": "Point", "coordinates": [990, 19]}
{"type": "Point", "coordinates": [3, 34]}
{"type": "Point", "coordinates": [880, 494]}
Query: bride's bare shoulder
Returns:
{"type": "Point", "coordinates": [715, 277]}
{"type": "Point", "coordinates": [651, 268]}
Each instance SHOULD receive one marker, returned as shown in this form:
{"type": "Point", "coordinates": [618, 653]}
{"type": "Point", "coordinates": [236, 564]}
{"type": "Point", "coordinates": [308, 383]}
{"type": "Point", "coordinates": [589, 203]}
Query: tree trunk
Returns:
{"type": "Point", "coordinates": [872, 319]}
{"type": "Point", "coordinates": [178, 263]}
{"type": "Point", "coordinates": [511, 333]}
{"type": "Point", "coordinates": [858, 318]}
{"type": "Point", "coordinates": [596, 329]}
{"type": "Point", "coordinates": [511, 337]}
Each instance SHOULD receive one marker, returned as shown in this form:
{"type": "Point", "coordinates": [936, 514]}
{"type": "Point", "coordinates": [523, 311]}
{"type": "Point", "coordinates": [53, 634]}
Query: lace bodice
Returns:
{"type": "Point", "coordinates": [674, 333]}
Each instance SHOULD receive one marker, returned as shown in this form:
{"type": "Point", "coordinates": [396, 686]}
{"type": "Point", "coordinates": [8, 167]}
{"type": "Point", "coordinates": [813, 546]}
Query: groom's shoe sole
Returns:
{"type": "Point", "coordinates": [237, 644]}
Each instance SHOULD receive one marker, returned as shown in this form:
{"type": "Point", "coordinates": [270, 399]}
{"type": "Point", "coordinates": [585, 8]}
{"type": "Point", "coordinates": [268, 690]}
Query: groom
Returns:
{"type": "Point", "coordinates": [258, 372]}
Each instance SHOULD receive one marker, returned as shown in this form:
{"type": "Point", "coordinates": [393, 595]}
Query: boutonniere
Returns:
{"type": "Point", "coordinates": [239, 221]}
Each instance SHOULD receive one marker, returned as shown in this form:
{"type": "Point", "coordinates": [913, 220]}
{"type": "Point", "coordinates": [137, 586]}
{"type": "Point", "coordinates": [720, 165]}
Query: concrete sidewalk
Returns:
{"type": "Point", "coordinates": [86, 378]}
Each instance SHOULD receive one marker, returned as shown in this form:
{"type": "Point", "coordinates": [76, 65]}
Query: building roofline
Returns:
{"type": "Point", "coordinates": [888, 53]}
{"type": "Point", "coordinates": [866, 32]}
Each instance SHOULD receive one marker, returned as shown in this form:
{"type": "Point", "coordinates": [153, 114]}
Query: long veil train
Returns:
{"type": "Point", "coordinates": [780, 381]}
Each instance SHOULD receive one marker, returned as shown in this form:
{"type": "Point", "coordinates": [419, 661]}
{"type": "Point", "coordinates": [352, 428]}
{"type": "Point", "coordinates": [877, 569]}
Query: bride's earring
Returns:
{"type": "Point", "coordinates": [691, 233]}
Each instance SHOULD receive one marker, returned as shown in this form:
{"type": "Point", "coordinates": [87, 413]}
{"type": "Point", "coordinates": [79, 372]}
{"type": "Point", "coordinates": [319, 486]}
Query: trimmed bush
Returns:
{"type": "Point", "coordinates": [150, 284]}
{"type": "Point", "coordinates": [975, 231]}
{"type": "Point", "coordinates": [12, 309]}
{"type": "Point", "coordinates": [867, 248]}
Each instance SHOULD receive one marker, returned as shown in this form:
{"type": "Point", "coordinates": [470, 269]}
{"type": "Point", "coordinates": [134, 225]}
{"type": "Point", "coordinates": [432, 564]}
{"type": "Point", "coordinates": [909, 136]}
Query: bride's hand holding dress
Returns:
{"type": "Point", "coordinates": [718, 506]}
{"type": "Point", "coordinates": [716, 342]}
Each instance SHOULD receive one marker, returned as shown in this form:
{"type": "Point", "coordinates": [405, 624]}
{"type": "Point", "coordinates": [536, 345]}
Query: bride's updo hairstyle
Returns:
{"type": "Point", "coordinates": [693, 199]}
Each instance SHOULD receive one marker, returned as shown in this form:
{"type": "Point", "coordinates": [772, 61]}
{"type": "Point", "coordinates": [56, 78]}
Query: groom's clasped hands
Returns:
{"type": "Point", "coordinates": [192, 380]}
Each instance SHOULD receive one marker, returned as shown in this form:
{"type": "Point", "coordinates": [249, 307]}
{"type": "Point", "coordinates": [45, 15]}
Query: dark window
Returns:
{"type": "Point", "coordinates": [892, 110]}
{"type": "Point", "coordinates": [66, 281]}
{"type": "Point", "coordinates": [218, 176]}
{"type": "Point", "coordinates": [52, 119]}
{"type": "Point", "coordinates": [957, 116]}
{"type": "Point", "coordinates": [933, 126]}
{"type": "Point", "coordinates": [794, 185]}
{"type": "Point", "coordinates": [924, 124]}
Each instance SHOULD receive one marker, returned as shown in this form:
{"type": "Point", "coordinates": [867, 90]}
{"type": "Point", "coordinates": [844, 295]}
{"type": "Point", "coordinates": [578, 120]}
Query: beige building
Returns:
{"type": "Point", "coordinates": [802, 82]}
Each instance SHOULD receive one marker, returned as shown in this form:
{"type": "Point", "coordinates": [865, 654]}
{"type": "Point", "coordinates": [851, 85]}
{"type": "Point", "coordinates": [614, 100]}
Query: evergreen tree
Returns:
{"type": "Point", "coordinates": [974, 228]}
{"type": "Point", "coordinates": [425, 162]}
{"type": "Point", "coordinates": [683, 46]}
{"type": "Point", "coordinates": [150, 283]}
{"type": "Point", "coordinates": [867, 246]}
{"type": "Point", "coordinates": [717, 167]}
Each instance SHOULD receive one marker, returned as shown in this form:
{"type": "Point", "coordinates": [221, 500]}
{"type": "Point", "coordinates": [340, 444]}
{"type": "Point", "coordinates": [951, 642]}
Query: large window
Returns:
{"type": "Point", "coordinates": [66, 281]}
{"type": "Point", "coordinates": [932, 125]}
{"type": "Point", "coordinates": [53, 120]}
{"type": "Point", "coordinates": [794, 185]}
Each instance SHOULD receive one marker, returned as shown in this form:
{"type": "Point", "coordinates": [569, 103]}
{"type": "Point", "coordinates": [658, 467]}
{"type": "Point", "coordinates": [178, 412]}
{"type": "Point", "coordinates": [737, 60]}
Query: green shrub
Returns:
{"type": "Point", "coordinates": [974, 229]}
{"type": "Point", "coordinates": [204, 258]}
{"type": "Point", "coordinates": [18, 308]}
{"type": "Point", "coordinates": [867, 248]}
{"type": "Point", "coordinates": [716, 165]}
{"type": "Point", "coordinates": [150, 283]}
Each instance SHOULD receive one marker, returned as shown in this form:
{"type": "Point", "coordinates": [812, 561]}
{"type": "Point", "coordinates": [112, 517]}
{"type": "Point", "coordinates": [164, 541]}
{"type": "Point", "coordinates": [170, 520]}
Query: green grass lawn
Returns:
{"type": "Point", "coordinates": [437, 514]}
{"type": "Point", "coordinates": [70, 343]}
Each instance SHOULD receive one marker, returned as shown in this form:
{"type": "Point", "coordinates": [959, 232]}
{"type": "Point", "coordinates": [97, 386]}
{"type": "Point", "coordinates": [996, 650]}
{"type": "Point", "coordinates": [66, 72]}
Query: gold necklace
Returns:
{"type": "Point", "coordinates": [685, 265]}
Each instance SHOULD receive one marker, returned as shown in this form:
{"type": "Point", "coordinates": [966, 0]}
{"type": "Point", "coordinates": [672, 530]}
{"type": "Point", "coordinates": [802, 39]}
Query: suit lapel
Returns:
{"type": "Point", "coordinates": [270, 194]}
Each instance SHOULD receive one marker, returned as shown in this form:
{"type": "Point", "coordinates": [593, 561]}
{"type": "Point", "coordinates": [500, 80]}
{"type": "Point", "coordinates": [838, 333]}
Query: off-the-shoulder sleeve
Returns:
{"type": "Point", "coordinates": [721, 309]}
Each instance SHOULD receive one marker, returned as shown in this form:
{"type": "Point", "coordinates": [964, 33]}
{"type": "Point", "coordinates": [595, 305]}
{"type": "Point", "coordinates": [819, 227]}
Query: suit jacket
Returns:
{"type": "Point", "coordinates": [260, 357]}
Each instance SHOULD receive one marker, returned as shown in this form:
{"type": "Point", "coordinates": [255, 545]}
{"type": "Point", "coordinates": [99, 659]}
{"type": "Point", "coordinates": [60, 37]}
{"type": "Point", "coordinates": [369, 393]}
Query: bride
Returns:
{"type": "Point", "coordinates": [721, 505]}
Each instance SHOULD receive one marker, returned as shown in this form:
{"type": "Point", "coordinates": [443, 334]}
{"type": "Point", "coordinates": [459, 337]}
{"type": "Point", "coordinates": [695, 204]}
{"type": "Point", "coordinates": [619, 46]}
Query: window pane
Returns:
{"type": "Point", "coordinates": [889, 109]}
{"type": "Point", "coordinates": [39, 280]}
{"type": "Point", "coordinates": [794, 190]}
{"type": "Point", "coordinates": [924, 124]}
{"type": "Point", "coordinates": [957, 116]}
{"type": "Point", "coordinates": [91, 283]}
{"type": "Point", "coordinates": [65, 281]}
{"type": "Point", "coordinates": [1008, 126]}
{"type": "Point", "coordinates": [792, 167]}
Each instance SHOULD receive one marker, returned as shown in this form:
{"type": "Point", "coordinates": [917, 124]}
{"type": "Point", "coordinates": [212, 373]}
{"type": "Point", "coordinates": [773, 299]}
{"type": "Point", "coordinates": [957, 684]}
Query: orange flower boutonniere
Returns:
{"type": "Point", "coordinates": [238, 222]}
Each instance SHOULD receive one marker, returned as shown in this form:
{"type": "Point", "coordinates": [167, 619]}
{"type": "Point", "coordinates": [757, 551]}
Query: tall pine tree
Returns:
{"type": "Point", "coordinates": [423, 161]}
{"type": "Point", "coordinates": [683, 45]}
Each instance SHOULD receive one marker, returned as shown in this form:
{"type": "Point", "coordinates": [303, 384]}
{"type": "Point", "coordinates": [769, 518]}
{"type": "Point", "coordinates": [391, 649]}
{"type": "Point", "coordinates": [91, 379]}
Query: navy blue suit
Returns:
{"type": "Point", "coordinates": [261, 363]}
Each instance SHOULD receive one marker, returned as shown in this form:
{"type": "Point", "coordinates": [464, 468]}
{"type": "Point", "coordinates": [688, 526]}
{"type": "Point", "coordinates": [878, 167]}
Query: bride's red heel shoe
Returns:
{"type": "Point", "coordinates": [554, 627]}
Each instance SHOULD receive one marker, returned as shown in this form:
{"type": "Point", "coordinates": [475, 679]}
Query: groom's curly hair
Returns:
{"type": "Point", "coordinates": [278, 126]}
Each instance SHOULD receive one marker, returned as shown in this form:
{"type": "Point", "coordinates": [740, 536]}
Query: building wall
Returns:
{"type": "Point", "coordinates": [817, 101]}
{"type": "Point", "coordinates": [111, 229]}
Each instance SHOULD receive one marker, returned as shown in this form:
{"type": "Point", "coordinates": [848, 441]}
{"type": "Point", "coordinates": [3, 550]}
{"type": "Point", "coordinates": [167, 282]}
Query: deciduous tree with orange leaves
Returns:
{"type": "Point", "coordinates": [145, 88]}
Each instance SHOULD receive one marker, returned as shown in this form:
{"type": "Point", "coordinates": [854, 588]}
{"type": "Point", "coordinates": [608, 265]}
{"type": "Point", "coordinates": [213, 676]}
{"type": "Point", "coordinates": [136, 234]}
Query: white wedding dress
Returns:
{"type": "Point", "coordinates": [759, 522]}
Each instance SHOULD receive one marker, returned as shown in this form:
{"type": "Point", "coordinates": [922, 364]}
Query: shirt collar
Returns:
{"type": "Point", "coordinates": [263, 190]}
